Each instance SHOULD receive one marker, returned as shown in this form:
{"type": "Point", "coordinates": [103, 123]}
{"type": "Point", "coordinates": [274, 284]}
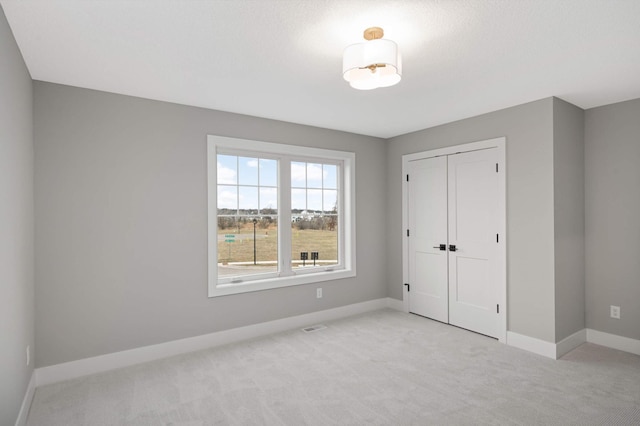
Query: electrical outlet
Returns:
{"type": "Point", "coordinates": [319, 293]}
{"type": "Point", "coordinates": [615, 312]}
{"type": "Point", "coordinates": [28, 355]}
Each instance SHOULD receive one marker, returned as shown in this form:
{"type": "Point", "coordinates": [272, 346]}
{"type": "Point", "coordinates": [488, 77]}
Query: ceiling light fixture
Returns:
{"type": "Point", "coordinates": [373, 63]}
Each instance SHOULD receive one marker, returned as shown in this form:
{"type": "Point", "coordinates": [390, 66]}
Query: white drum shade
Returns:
{"type": "Point", "coordinates": [372, 64]}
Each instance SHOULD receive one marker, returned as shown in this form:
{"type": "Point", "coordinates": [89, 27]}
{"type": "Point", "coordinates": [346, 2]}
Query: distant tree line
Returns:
{"type": "Point", "coordinates": [229, 219]}
{"type": "Point", "coordinates": [237, 222]}
{"type": "Point", "coordinates": [320, 223]}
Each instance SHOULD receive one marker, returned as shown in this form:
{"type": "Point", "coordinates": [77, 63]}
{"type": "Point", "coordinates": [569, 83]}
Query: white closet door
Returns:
{"type": "Point", "coordinates": [427, 218]}
{"type": "Point", "coordinates": [474, 292]}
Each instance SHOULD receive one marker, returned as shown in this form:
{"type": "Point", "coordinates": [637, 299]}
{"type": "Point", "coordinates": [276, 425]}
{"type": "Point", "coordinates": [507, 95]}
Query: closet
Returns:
{"type": "Point", "coordinates": [454, 215]}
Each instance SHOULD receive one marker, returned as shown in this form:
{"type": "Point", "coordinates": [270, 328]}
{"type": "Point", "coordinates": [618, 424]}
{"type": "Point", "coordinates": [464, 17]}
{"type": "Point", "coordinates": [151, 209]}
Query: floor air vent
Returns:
{"type": "Point", "coordinates": [314, 328]}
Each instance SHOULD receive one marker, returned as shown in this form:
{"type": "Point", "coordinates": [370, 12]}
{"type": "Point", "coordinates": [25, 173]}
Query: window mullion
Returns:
{"type": "Point", "coordinates": [284, 216]}
{"type": "Point", "coordinates": [237, 188]}
{"type": "Point", "coordinates": [340, 201]}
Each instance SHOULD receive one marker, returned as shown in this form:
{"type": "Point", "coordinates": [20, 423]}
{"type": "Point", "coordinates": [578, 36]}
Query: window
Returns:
{"type": "Point", "coordinates": [279, 215]}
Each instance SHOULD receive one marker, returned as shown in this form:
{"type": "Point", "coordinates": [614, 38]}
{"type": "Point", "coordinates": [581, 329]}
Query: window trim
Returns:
{"type": "Point", "coordinates": [347, 241]}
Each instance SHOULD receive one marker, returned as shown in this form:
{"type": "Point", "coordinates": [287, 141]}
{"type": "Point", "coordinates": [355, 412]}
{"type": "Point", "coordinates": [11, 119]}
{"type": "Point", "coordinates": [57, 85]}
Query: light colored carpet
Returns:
{"type": "Point", "coordinates": [381, 368]}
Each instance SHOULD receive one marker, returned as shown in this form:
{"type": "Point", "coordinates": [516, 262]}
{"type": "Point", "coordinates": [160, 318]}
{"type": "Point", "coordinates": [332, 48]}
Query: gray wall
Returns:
{"type": "Point", "coordinates": [121, 247]}
{"type": "Point", "coordinates": [16, 225]}
{"type": "Point", "coordinates": [568, 185]}
{"type": "Point", "coordinates": [612, 187]}
{"type": "Point", "coordinates": [530, 206]}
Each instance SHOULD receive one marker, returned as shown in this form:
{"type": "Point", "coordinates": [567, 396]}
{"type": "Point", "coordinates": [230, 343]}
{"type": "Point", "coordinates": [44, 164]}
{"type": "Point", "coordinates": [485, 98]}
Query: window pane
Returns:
{"type": "Point", "coordinates": [314, 175]}
{"type": "Point", "coordinates": [313, 215]}
{"type": "Point", "coordinates": [314, 200]}
{"type": "Point", "coordinates": [239, 254]}
{"type": "Point", "coordinates": [248, 173]}
{"type": "Point", "coordinates": [330, 176]}
{"type": "Point", "coordinates": [248, 200]}
{"type": "Point", "coordinates": [330, 201]}
{"type": "Point", "coordinates": [227, 199]}
{"type": "Point", "coordinates": [227, 166]}
{"type": "Point", "coordinates": [268, 172]}
{"type": "Point", "coordinates": [314, 237]}
{"type": "Point", "coordinates": [268, 200]}
{"type": "Point", "coordinates": [298, 200]}
{"type": "Point", "coordinates": [298, 174]}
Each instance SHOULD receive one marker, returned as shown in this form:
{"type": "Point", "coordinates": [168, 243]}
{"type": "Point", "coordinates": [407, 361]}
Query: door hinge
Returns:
{"type": "Point", "coordinates": [407, 232]}
{"type": "Point", "coordinates": [408, 287]}
{"type": "Point", "coordinates": [496, 167]}
{"type": "Point", "coordinates": [407, 178]}
{"type": "Point", "coordinates": [497, 309]}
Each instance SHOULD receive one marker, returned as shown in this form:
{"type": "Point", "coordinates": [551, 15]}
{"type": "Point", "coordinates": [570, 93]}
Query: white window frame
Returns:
{"type": "Point", "coordinates": [346, 266]}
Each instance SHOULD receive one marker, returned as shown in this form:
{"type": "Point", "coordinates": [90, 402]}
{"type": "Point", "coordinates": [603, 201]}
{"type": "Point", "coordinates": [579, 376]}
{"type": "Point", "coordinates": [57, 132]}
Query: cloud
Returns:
{"type": "Point", "coordinates": [313, 172]}
{"type": "Point", "coordinates": [227, 199]}
{"type": "Point", "coordinates": [226, 175]}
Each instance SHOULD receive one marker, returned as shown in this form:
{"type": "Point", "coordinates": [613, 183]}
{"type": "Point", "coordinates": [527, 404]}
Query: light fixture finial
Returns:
{"type": "Point", "coordinates": [373, 33]}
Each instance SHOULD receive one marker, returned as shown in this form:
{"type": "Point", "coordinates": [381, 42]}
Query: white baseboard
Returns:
{"type": "Point", "coordinates": [531, 344]}
{"type": "Point", "coordinates": [557, 350]}
{"type": "Point", "coordinates": [613, 341]}
{"type": "Point", "coordinates": [26, 402]}
{"type": "Point", "coordinates": [74, 369]}
{"type": "Point", "coordinates": [568, 344]}
{"type": "Point", "coordinates": [71, 370]}
{"type": "Point", "coordinates": [395, 304]}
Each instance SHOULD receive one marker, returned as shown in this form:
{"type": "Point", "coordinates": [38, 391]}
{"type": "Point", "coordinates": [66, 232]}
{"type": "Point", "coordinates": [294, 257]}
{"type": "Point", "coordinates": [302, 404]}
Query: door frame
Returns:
{"type": "Point", "coordinates": [500, 145]}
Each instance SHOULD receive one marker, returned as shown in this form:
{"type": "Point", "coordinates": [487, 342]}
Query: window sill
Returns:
{"type": "Point", "coordinates": [278, 282]}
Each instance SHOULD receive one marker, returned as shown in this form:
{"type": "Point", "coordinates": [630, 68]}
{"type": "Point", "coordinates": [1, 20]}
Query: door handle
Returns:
{"type": "Point", "coordinates": [452, 247]}
{"type": "Point", "coordinates": [442, 247]}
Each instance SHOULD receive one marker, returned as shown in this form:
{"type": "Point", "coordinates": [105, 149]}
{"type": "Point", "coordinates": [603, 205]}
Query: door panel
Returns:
{"type": "Point", "coordinates": [473, 216]}
{"type": "Point", "coordinates": [427, 197]}
{"type": "Point", "coordinates": [473, 273]}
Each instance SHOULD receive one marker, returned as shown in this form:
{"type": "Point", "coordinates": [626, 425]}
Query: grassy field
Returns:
{"type": "Point", "coordinates": [324, 242]}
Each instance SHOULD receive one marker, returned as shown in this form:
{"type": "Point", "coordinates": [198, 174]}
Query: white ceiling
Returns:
{"type": "Point", "coordinates": [283, 59]}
